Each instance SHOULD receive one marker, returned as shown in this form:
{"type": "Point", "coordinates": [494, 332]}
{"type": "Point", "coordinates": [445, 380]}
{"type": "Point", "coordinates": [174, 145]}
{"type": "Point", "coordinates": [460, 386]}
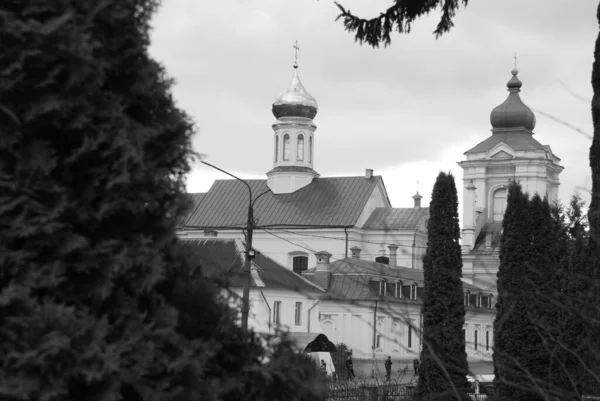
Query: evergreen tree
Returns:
{"type": "Point", "coordinates": [98, 299]}
{"type": "Point", "coordinates": [527, 334]}
{"type": "Point", "coordinates": [93, 154]}
{"type": "Point", "coordinates": [443, 368]}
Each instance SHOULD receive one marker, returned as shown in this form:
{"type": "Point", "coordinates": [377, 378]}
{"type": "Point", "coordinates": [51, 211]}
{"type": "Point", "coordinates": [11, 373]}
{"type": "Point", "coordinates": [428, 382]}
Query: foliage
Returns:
{"type": "Point", "coordinates": [98, 300]}
{"type": "Point", "coordinates": [400, 17]}
{"type": "Point", "coordinates": [92, 159]}
{"type": "Point", "coordinates": [443, 358]}
{"type": "Point", "coordinates": [234, 364]}
{"type": "Point", "coordinates": [529, 345]}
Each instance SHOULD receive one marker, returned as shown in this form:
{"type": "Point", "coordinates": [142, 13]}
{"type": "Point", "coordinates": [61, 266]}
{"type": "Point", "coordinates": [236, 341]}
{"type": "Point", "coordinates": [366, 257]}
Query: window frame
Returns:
{"type": "Point", "coordinates": [276, 312]}
{"type": "Point", "coordinates": [409, 335]}
{"type": "Point", "coordinates": [475, 339]}
{"type": "Point", "coordinates": [490, 304]}
{"type": "Point", "coordinates": [467, 299]}
{"type": "Point", "coordinates": [487, 340]}
{"type": "Point", "coordinates": [398, 289]}
{"type": "Point", "coordinates": [310, 148]}
{"type": "Point", "coordinates": [300, 148]}
{"type": "Point", "coordinates": [301, 255]}
{"type": "Point", "coordinates": [287, 148]}
{"type": "Point", "coordinates": [383, 288]}
{"type": "Point", "coordinates": [276, 148]}
{"type": "Point", "coordinates": [413, 291]}
{"type": "Point", "coordinates": [298, 314]}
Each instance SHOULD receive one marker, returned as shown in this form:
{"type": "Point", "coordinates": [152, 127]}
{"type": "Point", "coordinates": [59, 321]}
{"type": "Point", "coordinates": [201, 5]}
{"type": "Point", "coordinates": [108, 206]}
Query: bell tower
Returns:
{"type": "Point", "coordinates": [510, 153]}
{"type": "Point", "coordinates": [293, 150]}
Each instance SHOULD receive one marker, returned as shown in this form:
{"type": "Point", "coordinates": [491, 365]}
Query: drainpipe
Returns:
{"type": "Point", "coordinates": [374, 336]}
{"type": "Point", "coordinates": [268, 306]}
{"type": "Point", "coordinates": [346, 231]}
{"type": "Point", "coordinates": [311, 308]}
{"type": "Point", "coordinates": [414, 249]}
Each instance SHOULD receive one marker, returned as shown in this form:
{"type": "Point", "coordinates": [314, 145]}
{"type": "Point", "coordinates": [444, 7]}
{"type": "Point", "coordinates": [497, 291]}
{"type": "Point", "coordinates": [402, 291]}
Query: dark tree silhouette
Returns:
{"type": "Point", "coordinates": [443, 367]}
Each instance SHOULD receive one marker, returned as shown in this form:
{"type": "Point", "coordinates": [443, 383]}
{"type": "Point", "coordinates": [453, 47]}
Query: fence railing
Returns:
{"type": "Point", "coordinates": [373, 391]}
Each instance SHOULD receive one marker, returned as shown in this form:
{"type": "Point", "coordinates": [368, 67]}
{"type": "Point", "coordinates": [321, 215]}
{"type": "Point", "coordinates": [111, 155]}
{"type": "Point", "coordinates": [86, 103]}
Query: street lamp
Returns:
{"type": "Point", "coordinates": [249, 251]}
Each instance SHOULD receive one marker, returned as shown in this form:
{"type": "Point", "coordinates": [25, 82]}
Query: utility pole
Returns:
{"type": "Point", "coordinates": [249, 251]}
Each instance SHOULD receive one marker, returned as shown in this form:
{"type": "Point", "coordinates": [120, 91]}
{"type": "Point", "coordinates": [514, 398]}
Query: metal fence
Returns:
{"type": "Point", "coordinates": [373, 391]}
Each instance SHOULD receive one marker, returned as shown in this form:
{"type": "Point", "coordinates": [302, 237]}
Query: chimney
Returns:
{"type": "Point", "coordinates": [417, 199]}
{"type": "Point", "coordinates": [322, 272]}
{"type": "Point", "coordinates": [355, 252]}
{"type": "Point", "coordinates": [393, 254]}
{"type": "Point", "coordinates": [368, 173]}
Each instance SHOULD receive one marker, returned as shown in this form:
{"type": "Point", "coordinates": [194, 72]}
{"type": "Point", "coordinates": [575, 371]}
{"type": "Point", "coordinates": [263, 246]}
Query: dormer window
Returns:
{"type": "Point", "coordinates": [413, 291]}
{"type": "Point", "coordinates": [490, 303]}
{"type": "Point", "coordinates": [382, 288]}
{"type": "Point", "coordinates": [300, 150]}
{"type": "Point", "coordinates": [398, 289]}
{"type": "Point", "coordinates": [467, 298]}
{"type": "Point", "coordinates": [478, 301]}
{"type": "Point", "coordinates": [286, 147]}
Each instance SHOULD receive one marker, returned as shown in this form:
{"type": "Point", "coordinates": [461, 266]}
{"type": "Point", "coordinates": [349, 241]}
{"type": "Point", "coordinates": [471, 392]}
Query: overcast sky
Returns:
{"type": "Point", "coordinates": [407, 111]}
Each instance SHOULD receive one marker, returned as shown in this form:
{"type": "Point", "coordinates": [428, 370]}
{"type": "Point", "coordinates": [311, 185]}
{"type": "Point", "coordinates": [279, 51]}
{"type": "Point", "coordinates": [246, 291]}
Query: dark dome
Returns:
{"type": "Point", "coordinates": [295, 101]}
{"type": "Point", "coordinates": [513, 113]}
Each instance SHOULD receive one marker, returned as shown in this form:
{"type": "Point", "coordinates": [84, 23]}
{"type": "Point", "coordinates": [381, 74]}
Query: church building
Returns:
{"type": "Point", "coordinates": [342, 234]}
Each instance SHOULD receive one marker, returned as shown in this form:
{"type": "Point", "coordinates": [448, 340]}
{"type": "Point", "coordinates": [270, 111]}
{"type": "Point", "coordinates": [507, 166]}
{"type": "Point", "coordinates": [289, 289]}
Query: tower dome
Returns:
{"type": "Point", "coordinates": [513, 113]}
{"type": "Point", "coordinates": [295, 101]}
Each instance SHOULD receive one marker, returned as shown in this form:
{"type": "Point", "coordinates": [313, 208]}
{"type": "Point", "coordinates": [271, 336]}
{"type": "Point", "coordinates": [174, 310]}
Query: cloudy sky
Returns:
{"type": "Point", "coordinates": [407, 111]}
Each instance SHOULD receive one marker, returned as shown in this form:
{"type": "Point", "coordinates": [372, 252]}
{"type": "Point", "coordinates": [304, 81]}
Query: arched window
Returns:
{"type": "Point", "coordinates": [276, 147]}
{"type": "Point", "coordinates": [299, 264]}
{"type": "Point", "coordinates": [382, 288]}
{"type": "Point", "coordinates": [490, 304]}
{"type": "Point", "coordinates": [398, 289]}
{"type": "Point", "coordinates": [499, 204]}
{"type": "Point", "coordinates": [475, 340]}
{"type": "Point", "coordinates": [413, 291]}
{"type": "Point", "coordinates": [286, 147]}
{"type": "Point", "coordinates": [467, 297]}
{"type": "Point", "coordinates": [478, 302]}
{"type": "Point", "coordinates": [487, 340]}
{"type": "Point", "coordinates": [300, 149]}
{"type": "Point", "coordinates": [310, 149]}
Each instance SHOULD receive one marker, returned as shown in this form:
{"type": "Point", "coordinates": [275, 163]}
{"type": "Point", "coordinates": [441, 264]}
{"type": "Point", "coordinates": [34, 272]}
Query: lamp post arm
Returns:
{"type": "Point", "coordinates": [231, 175]}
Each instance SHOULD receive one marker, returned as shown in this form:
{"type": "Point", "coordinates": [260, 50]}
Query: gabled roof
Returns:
{"type": "Point", "coordinates": [355, 279]}
{"type": "Point", "coordinates": [516, 140]}
{"type": "Point", "coordinates": [384, 218]}
{"type": "Point", "coordinates": [224, 259]}
{"type": "Point", "coordinates": [333, 201]}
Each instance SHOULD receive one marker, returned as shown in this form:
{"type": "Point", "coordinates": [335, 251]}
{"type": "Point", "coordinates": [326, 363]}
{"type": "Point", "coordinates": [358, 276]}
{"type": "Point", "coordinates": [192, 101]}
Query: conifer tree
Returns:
{"type": "Point", "coordinates": [443, 368]}
{"type": "Point", "coordinates": [526, 329]}
{"type": "Point", "coordinates": [93, 155]}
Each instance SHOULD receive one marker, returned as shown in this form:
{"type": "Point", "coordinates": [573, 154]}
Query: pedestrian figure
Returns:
{"type": "Point", "coordinates": [350, 368]}
{"type": "Point", "coordinates": [323, 368]}
{"type": "Point", "coordinates": [416, 366]}
{"type": "Point", "coordinates": [388, 368]}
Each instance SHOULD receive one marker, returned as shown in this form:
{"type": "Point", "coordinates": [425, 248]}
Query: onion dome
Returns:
{"type": "Point", "coordinates": [513, 113]}
{"type": "Point", "coordinates": [295, 101]}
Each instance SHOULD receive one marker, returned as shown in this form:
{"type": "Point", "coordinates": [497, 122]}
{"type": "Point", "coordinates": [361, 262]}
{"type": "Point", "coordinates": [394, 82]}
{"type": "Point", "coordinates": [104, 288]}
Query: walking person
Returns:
{"type": "Point", "coordinates": [388, 368]}
{"type": "Point", "coordinates": [350, 368]}
{"type": "Point", "coordinates": [416, 366]}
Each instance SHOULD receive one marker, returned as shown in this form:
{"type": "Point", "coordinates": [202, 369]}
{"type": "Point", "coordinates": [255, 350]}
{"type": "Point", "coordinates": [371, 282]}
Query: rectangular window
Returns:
{"type": "Point", "coordinates": [378, 341]}
{"type": "Point", "coordinates": [298, 314]}
{"type": "Point", "coordinates": [276, 312]}
{"type": "Point", "coordinates": [487, 340]}
{"type": "Point", "coordinates": [409, 336]}
{"type": "Point", "coordinates": [299, 264]}
{"type": "Point", "coordinates": [475, 340]}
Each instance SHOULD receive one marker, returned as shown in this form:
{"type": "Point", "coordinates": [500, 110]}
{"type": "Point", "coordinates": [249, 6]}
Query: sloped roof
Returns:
{"type": "Point", "coordinates": [333, 201]}
{"type": "Point", "coordinates": [495, 230]}
{"type": "Point", "coordinates": [516, 140]}
{"type": "Point", "coordinates": [356, 279]}
{"type": "Point", "coordinates": [384, 218]}
{"type": "Point", "coordinates": [224, 259]}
